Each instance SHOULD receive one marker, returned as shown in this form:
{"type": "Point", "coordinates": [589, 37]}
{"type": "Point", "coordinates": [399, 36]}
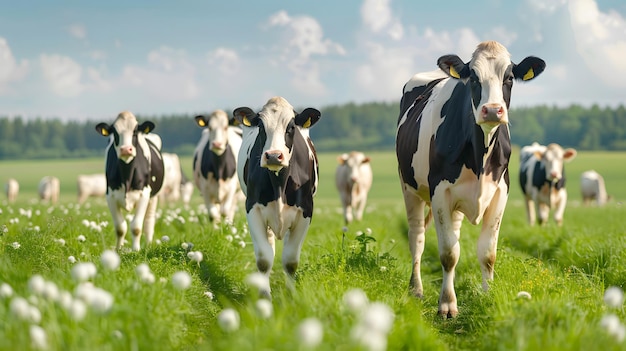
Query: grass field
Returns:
{"type": "Point", "coordinates": [565, 269]}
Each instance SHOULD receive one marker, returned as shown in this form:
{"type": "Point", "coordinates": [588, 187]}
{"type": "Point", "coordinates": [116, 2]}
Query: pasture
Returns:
{"type": "Point", "coordinates": [565, 269]}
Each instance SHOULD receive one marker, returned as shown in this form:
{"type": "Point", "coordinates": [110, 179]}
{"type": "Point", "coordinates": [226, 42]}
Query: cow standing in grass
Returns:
{"type": "Point", "coordinates": [353, 179]}
{"type": "Point", "coordinates": [453, 149]}
{"type": "Point", "coordinates": [49, 189]}
{"type": "Point", "coordinates": [91, 185]}
{"type": "Point", "coordinates": [134, 173]}
{"type": "Point", "coordinates": [278, 172]}
{"type": "Point", "coordinates": [215, 165]}
{"type": "Point", "coordinates": [12, 189]}
{"type": "Point", "coordinates": [592, 188]}
{"type": "Point", "coordinates": [542, 178]}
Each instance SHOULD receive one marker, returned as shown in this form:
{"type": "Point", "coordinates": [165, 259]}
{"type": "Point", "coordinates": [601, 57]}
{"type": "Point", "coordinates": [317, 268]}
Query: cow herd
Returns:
{"type": "Point", "coordinates": [452, 145]}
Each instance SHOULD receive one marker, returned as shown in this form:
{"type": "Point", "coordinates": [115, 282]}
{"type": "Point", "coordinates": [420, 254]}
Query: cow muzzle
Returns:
{"type": "Point", "coordinates": [493, 113]}
{"type": "Point", "coordinates": [126, 153]}
{"type": "Point", "coordinates": [273, 160]}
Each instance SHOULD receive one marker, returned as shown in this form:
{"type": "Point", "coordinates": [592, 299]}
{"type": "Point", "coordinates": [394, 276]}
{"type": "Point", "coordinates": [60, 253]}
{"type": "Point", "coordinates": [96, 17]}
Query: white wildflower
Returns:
{"type": "Point", "coordinates": [60, 241]}
{"type": "Point", "coordinates": [355, 299]}
{"type": "Point", "coordinates": [368, 231]}
{"type": "Point", "coordinates": [614, 297]}
{"type": "Point", "coordinates": [259, 281]}
{"type": "Point", "coordinates": [97, 299]}
{"type": "Point", "coordinates": [209, 295]}
{"type": "Point", "coordinates": [83, 271]}
{"type": "Point", "coordinates": [77, 309]}
{"type": "Point", "coordinates": [242, 244]}
{"type": "Point", "coordinates": [181, 280]}
{"type": "Point", "coordinates": [184, 246]}
{"type": "Point", "coordinates": [34, 315]}
{"type": "Point", "coordinates": [15, 245]}
{"type": "Point", "coordinates": [110, 260]}
{"type": "Point", "coordinates": [81, 238]}
{"type": "Point", "coordinates": [50, 291]}
{"type": "Point", "coordinates": [65, 299]}
{"type": "Point", "coordinates": [264, 308]}
{"type": "Point", "coordinates": [383, 268]}
{"type": "Point", "coordinates": [165, 238]}
{"type": "Point", "coordinates": [117, 334]}
{"type": "Point", "coordinates": [38, 337]}
{"type": "Point", "coordinates": [5, 290]}
{"type": "Point", "coordinates": [524, 295]}
{"type": "Point", "coordinates": [229, 238]}
{"type": "Point", "coordinates": [20, 308]}
{"type": "Point", "coordinates": [311, 332]}
{"type": "Point", "coordinates": [195, 256]}
{"type": "Point", "coordinates": [228, 320]}
{"type": "Point", "coordinates": [613, 326]}
{"type": "Point", "coordinates": [378, 316]}
{"type": "Point", "coordinates": [72, 259]}
{"type": "Point", "coordinates": [36, 284]}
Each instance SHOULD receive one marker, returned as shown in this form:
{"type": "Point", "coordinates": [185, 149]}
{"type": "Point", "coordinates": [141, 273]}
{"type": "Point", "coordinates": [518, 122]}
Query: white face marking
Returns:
{"type": "Point", "coordinates": [125, 125]}
{"type": "Point", "coordinates": [218, 132]}
{"type": "Point", "coordinates": [276, 116]}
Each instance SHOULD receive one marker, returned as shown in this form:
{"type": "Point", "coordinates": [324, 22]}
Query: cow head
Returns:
{"type": "Point", "coordinates": [125, 131]}
{"type": "Point", "coordinates": [279, 124]}
{"type": "Point", "coordinates": [553, 158]}
{"type": "Point", "coordinates": [490, 75]}
{"type": "Point", "coordinates": [353, 161]}
{"type": "Point", "coordinates": [217, 125]}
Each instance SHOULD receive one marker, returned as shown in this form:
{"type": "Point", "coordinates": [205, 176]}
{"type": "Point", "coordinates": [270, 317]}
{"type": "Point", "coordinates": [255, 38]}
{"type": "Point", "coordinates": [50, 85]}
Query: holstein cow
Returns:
{"type": "Point", "coordinates": [215, 165]}
{"type": "Point", "coordinates": [134, 172]}
{"type": "Point", "coordinates": [542, 178]}
{"type": "Point", "coordinates": [278, 172]}
{"type": "Point", "coordinates": [91, 185]}
{"type": "Point", "coordinates": [12, 189]}
{"type": "Point", "coordinates": [592, 188]}
{"type": "Point", "coordinates": [172, 189]}
{"type": "Point", "coordinates": [353, 179]}
{"type": "Point", "coordinates": [49, 189]}
{"type": "Point", "coordinates": [453, 148]}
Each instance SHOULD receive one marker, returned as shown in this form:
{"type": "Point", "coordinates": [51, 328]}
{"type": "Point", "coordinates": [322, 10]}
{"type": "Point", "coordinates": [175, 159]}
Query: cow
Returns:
{"type": "Point", "coordinates": [278, 171]}
{"type": "Point", "coordinates": [12, 189]}
{"type": "Point", "coordinates": [91, 185]}
{"type": "Point", "coordinates": [215, 165]}
{"type": "Point", "coordinates": [542, 179]}
{"type": "Point", "coordinates": [453, 148]}
{"type": "Point", "coordinates": [353, 179]}
{"type": "Point", "coordinates": [592, 188]}
{"type": "Point", "coordinates": [49, 189]}
{"type": "Point", "coordinates": [186, 188]}
{"type": "Point", "coordinates": [134, 172]}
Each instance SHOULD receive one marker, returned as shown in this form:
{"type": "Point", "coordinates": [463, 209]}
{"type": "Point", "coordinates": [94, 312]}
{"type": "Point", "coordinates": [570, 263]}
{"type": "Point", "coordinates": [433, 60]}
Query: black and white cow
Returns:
{"type": "Point", "coordinates": [215, 165]}
{"type": "Point", "coordinates": [542, 178]}
{"type": "Point", "coordinates": [134, 172]}
{"type": "Point", "coordinates": [278, 172]}
{"type": "Point", "coordinates": [453, 148]}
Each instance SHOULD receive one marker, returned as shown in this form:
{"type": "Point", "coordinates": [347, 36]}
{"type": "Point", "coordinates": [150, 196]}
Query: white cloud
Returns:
{"type": "Point", "coordinates": [62, 74]}
{"type": "Point", "coordinates": [503, 35]}
{"type": "Point", "coordinates": [226, 60]}
{"type": "Point", "coordinates": [600, 40]}
{"type": "Point", "coordinates": [10, 70]}
{"type": "Point", "coordinates": [378, 18]}
{"type": "Point", "coordinates": [77, 31]}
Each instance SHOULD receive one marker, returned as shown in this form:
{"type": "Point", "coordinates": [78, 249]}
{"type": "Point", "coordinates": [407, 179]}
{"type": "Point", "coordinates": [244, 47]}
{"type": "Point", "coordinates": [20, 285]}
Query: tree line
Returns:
{"type": "Point", "coordinates": [368, 126]}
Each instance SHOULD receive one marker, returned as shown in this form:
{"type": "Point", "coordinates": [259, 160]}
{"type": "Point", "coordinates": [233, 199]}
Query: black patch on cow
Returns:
{"type": "Point", "coordinates": [408, 133]}
{"type": "Point", "coordinates": [157, 169]}
{"type": "Point", "coordinates": [498, 161]}
{"type": "Point", "coordinates": [222, 167]}
{"type": "Point", "coordinates": [294, 184]}
{"type": "Point", "coordinates": [523, 177]}
{"type": "Point", "coordinates": [137, 174]}
{"type": "Point", "coordinates": [540, 178]}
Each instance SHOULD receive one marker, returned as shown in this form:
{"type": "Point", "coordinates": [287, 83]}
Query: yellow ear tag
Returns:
{"type": "Point", "coordinates": [104, 132]}
{"type": "Point", "coordinates": [246, 122]}
{"type": "Point", "coordinates": [146, 130]}
{"type": "Point", "coordinates": [307, 124]}
{"type": "Point", "coordinates": [454, 73]}
{"type": "Point", "coordinates": [201, 123]}
{"type": "Point", "coordinates": [529, 75]}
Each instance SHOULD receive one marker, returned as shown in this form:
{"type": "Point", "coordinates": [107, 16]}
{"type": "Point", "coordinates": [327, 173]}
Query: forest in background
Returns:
{"type": "Point", "coordinates": [368, 126]}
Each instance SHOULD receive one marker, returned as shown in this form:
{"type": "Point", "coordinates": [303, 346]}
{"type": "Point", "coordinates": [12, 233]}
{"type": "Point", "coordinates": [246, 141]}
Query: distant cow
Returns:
{"type": "Point", "coordinates": [353, 179]}
{"type": "Point", "coordinates": [592, 188]}
{"type": "Point", "coordinates": [12, 189]}
{"type": "Point", "coordinates": [91, 185]}
{"type": "Point", "coordinates": [186, 188]}
{"type": "Point", "coordinates": [215, 165]}
{"type": "Point", "coordinates": [49, 189]}
{"type": "Point", "coordinates": [278, 171]}
{"type": "Point", "coordinates": [542, 178]}
{"type": "Point", "coordinates": [175, 185]}
{"type": "Point", "coordinates": [453, 149]}
{"type": "Point", "coordinates": [134, 172]}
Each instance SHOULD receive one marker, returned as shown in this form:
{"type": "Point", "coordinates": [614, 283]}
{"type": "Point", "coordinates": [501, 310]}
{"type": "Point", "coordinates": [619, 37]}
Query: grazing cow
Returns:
{"type": "Point", "coordinates": [278, 172]}
{"type": "Point", "coordinates": [215, 165]}
{"type": "Point", "coordinates": [592, 188]}
{"type": "Point", "coordinates": [174, 183]}
{"type": "Point", "coordinates": [134, 172]}
{"type": "Point", "coordinates": [91, 185]}
{"type": "Point", "coordinates": [12, 188]}
{"type": "Point", "coordinates": [49, 189]}
{"type": "Point", "coordinates": [353, 179]}
{"type": "Point", "coordinates": [542, 178]}
{"type": "Point", "coordinates": [453, 149]}
{"type": "Point", "coordinates": [186, 188]}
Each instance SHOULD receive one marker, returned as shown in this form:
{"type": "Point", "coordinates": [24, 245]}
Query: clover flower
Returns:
{"type": "Point", "coordinates": [355, 299]}
{"type": "Point", "coordinates": [72, 259]}
{"type": "Point", "coordinates": [81, 238]}
{"type": "Point", "coordinates": [5, 290]}
{"type": "Point", "coordinates": [614, 297]}
{"type": "Point", "coordinates": [110, 260]}
{"type": "Point", "coordinates": [38, 337]}
{"type": "Point", "coordinates": [83, 271]}
{"type": "Point", "coordinates": [228, 320]}
{"type": "Point", "coordinates": [311, 332]}
{"type": "Point", "coordinates": [181, 280]}
{"type": "Point", "coordinates": [264, 308]}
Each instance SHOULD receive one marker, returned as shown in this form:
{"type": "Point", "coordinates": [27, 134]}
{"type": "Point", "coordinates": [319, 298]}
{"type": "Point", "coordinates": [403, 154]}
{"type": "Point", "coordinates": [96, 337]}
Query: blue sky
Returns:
{"type": "Point", "coordinates": [92, 59]}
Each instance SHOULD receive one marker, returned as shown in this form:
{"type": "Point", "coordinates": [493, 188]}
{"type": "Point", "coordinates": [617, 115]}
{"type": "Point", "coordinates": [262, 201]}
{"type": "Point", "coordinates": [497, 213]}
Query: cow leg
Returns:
{"type": "Point", "coordinates": [136, 225]}
{"type": "Point", "coordinates": [293, 246]}
{"type": "Point", "coordinates": [263, 250]}
{"type": "Point", "coordinates": [488, 240]}
{"type": "Point", "coordinates": [119, 222]}
{"type": "Point", "coordinates": [150, 219]}
{"type": "Point", "coordinates": [448, 225]}
{"type": "Point", "coordinates": [530, 210]}
{"type": "Point", "coordinates": [229, 207]}
{"type": "Point", "coordinates": [415, 216]}
{"type": "Point", "coordinates": [360, 206]}
{"type": "Point", "coordinates": [543, 211]}
{"type": "Point", "coordinates": [561, 201]}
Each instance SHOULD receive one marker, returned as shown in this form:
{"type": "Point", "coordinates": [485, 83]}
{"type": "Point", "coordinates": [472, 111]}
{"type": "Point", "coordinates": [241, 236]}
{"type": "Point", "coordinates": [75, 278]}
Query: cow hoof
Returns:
{"type": "Point", "coordinates": [448, 314]}
{"type": "Point", "coordinates": [265, 294]}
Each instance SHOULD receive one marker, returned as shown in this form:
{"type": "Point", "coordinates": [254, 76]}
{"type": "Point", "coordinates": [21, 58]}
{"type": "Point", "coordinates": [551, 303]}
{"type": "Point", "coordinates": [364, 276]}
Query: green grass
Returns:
{"type": "Point", "coordinates": [565, 269]}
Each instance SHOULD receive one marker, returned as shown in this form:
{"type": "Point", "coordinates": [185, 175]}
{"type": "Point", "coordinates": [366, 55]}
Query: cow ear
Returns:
{"type": "Point", "coordinates": [366, 160]}
{"type": "Point", "coordinates": [233, 122]}
{"type": "Point", "coordinates": [529, 68]}
{"type": "Point", "coordinates": [453, 66]}
{"type": "Point", "coordinates": [308, 117]}
{"type": "Point", "coordinates": [569, 154]}
{"type": "Point", "coordinates": [342, 158]}
{"type": "Point", "coordinates": [146, 127]}
{"type": "Point", "coordinates": [201, 121]}
{"type": "Point", "coordinates": [103, 129]}
{"type": "Point", "coordinates": [245, 116]}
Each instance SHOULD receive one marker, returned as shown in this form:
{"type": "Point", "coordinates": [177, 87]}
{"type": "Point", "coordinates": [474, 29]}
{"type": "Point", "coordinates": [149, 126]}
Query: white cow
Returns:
{"type": "Point", "coordinates": [173, 175]}
{"type": "Point", "coordinates": [592, 188]}
{"type": "Point", "coordinates": [215, 165]}
{"type": "Point", "coordinates": [542, 178]}
{"type": "Point", "coordinates": [12, 188]}
{"type": "Point", "coordinates": [353, 179]}
{"type": "Point", "coordinates": [91, 185]}
{"type": "Point", "coordinates": [49, 189]}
